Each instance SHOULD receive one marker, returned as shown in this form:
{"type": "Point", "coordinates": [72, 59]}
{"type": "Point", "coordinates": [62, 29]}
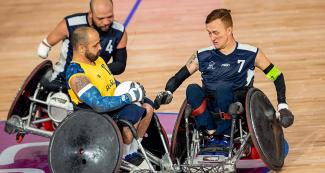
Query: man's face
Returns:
{"type": "Point", "coordinates": [93, 47]}
{"type": "Point", "coordinates": [218, 33]}
{"type": "Point", "coordinates": [103, 17]}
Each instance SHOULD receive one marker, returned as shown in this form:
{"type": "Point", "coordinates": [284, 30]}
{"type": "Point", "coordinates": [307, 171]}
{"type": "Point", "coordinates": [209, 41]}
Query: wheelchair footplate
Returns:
{"type": "Point", "coordinates": [211, 154]}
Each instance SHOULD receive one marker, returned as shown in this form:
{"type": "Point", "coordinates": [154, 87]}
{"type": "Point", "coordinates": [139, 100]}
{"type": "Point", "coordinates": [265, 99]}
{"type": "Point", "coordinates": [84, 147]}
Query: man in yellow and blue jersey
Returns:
{"type": "Point", "coordinates": [91, 84]}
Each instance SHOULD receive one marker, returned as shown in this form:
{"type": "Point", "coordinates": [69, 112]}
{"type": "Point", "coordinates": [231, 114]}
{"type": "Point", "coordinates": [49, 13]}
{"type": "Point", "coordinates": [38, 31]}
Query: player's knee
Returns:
{"type": "Point", "coordinates": [193, 88]}
{"type": "Point", "coordinates": [194, 91]}
{"type": "Point", "coordinates": [127, 140]}
{"type": "Point", "coordinates": [194, 95]}
{"type": "Point", "coordinates": [149, 110]}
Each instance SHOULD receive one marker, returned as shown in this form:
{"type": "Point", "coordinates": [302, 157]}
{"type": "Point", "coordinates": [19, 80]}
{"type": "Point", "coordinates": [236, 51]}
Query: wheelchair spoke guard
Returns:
{"type": "Point", "coordinates": [265, 129]}
{"type": "Point", "coordinates": [85, 142]}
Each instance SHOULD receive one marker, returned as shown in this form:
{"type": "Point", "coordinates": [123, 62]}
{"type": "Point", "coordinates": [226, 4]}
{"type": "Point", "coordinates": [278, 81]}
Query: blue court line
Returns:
{"type": "Point", "coordinates": [132, 12]}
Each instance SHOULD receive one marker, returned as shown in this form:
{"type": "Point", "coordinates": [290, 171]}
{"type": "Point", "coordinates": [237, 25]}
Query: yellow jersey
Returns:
{"type": "Point", "coordinates": [99, 75]}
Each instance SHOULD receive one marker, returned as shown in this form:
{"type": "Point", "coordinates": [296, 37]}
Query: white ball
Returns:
{"type": "Point", "coordinates": [124, 88]}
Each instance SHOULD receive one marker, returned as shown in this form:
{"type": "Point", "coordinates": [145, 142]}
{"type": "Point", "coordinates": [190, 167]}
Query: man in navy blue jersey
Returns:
{"type": "Point", "coordinates": [113, 38]}
{"type": "Point", "coordinates": [227, 71]}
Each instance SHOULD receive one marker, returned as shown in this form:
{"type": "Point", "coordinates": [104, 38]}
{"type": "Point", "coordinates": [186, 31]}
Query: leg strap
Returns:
{"type": "Point", "coordinates": [201, 108]}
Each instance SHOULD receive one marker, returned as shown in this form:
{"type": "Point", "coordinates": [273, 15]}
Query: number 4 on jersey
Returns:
{"type": "Point", "coordinates": [109, 46]}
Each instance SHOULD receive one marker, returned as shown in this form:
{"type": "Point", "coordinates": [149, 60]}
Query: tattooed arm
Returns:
{"type": "Point", "coordinates": [192, 63]}
{"type": "Point", "coordinates": [186, 71]}
{"type": "Point", "coordinates": [90, 95]}
{"type": "Point", "coordinates": [165, 97]}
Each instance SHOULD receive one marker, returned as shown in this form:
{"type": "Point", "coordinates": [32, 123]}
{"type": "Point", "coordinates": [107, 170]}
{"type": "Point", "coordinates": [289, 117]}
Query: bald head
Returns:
{"type": "Point", "coordinates": [100, 5]}
{"type": "Point", "coordinates": [85, 43]}
{"type": "Point", "coordinates": [81, 36]}
{"type": "Point", "coordinates": [102, 14]}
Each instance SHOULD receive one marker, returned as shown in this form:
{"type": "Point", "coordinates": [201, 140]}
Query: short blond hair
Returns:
{"type": "Point", "coordinates": [222, 14]}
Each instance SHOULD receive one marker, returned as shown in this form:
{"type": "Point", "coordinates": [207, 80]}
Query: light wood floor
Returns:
{"type": "Point", "coordinates": [164, 33]}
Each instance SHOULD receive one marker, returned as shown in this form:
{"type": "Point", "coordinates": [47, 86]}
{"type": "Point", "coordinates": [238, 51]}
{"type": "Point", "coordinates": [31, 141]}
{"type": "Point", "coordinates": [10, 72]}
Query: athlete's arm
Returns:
{"type": "Point", "coordinates": [90, 95]}
{"type": "Point", "coordinates": [165, 97]}
{"type": "Point", "coordinates": [123, 42]}
{"type": "Point", "coordinates": [59, 33]}
{"type": "Point", "coordinates": [274, 74]}
{"type": "Point", "coordinates": [192, 65]}
{"type": "Point", "coordinates": [119, 57]}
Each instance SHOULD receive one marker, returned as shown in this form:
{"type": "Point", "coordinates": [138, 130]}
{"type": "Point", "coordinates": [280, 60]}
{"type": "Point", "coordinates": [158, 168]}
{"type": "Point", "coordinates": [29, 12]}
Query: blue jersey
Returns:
{"type": "Point", "coordinates": [108, 40]}
{"type": "Point", "coordinates": [235, 70]}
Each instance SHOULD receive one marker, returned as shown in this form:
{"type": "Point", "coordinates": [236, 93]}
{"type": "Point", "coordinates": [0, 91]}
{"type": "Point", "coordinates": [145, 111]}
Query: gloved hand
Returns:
{"type": "Point", "coordinates": [286, 116]}
{"type": "Point", "coordinates": [163, 97]}
{"type": "Point", "coordinates": [235, 108]}
{"type": "Point", "coordinates": [43, 49]}
{"type": "Point", "coordinates": [136, 93]}
{"type": "Point", "coordinates": [141, 86]}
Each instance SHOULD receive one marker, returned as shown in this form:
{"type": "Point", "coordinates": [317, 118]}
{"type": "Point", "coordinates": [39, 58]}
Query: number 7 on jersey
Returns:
{"type": "Point", "coordinates": [241, 62]}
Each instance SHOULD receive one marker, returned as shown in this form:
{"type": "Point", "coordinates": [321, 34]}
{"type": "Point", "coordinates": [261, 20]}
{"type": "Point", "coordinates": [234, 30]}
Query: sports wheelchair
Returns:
{"type": "Point", "coordinates": [85, 141]}
{"type": "Point", "coordinates": [43, 109]}
{"type": "Point", "coordinates": [255, 134]}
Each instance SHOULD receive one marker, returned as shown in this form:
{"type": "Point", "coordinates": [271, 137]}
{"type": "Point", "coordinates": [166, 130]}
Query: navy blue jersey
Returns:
{"type": "Point", "coordinates": [235, 70]}
{"type": "Point", "coordinates": [108, 40]}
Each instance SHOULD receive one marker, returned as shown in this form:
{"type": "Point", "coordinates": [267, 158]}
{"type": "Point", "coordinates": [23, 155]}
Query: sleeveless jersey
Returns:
{"type": "Point", "coordinates": [235, 70]}
{"type": "Point", "coordinates": [99, 75]}
{"type": "Point", "coordinates": [108, 40]}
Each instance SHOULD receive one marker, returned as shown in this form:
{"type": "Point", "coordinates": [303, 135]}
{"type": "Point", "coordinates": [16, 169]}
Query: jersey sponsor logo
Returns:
{"type": "Point", "coordinates": [110, 84]}
{"type": "Point", "coordinates": [225, 65]}
{"type": "Point", "coordinates": [211, 65]}
{"type": "Point", "coordinates": [104, 67]}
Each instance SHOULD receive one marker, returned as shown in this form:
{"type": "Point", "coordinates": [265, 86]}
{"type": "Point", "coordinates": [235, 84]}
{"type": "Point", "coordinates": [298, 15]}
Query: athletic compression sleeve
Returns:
{"type": "Point", "coordinates": [274, 74]}
{"type": "Point", "coordinates": [91, 96]}
{"type": "Point", "coordinates": [175, 81]}
{"type": "Point", "coordinates": [119, 61]}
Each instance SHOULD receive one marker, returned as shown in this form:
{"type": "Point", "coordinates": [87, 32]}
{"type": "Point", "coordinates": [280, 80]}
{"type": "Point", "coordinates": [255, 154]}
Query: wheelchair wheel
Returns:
{"type": "Point", "coordinates": [178, 141]}
{"type": "Point", "coordinates": [266, 133]}
{"type": "Point", "coordinates": [153, 142]}
{"type": "Point", "coordinates": [85, 142]}
{"type": "Point", "coordinates": [20, 106]}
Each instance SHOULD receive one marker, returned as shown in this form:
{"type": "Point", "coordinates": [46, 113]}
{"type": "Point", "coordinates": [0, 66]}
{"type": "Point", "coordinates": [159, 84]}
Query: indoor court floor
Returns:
{"type": "Point", "coordinates": [163, 34]}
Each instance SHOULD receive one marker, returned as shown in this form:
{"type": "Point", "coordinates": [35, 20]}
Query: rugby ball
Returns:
{"type": "Point", "coordinates": [124, 88]}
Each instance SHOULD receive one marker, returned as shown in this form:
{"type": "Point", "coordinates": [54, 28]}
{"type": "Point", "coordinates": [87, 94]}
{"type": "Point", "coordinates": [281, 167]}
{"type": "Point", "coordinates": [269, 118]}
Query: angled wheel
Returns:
{"type": "Point", "coordinates": [266, 131]}
{"type": "Point", "coordinates": [85, 142]}
{"type": "Point", "coordinates": [20, 106]}
{"type": "Point", "coordinates": [178, 141]}
{"type": "Point", "coordinates": [153, 142]}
